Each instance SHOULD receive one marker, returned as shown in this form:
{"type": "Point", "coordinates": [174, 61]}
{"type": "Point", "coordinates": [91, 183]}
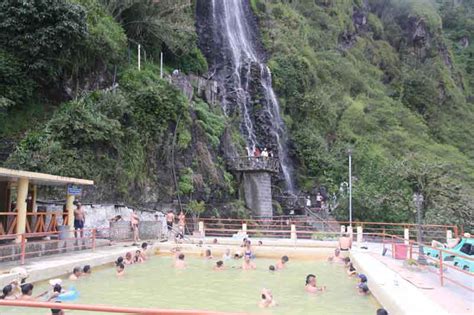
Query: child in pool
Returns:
{"type": "Point", "coordinates": [120, 269]}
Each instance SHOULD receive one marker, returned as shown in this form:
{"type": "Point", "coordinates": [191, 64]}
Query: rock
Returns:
{"type": "Point", "coordinates": [182, 82]}
{"type": "Point", "coordinates": [464, 42]}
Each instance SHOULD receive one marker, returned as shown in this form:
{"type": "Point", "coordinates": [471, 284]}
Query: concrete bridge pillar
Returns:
{"type": "Point", "coordinates": [258, 193]}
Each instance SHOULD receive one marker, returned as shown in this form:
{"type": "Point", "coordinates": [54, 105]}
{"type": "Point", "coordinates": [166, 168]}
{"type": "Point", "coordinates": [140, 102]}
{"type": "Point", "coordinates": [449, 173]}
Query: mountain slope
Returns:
{"type": "Point", "coordinates": [378, 77]}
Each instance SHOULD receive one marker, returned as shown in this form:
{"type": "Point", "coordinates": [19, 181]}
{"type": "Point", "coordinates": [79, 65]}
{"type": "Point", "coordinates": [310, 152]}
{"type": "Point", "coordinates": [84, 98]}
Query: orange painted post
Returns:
{"type": "Point", "coordinates": [456, 232]}
{"type": "Point", "coordinates": [93, 239]}
{"type": "Point", "coordinates": [23, 249]}
{"type": "Point", "coordinates": [441, 267]}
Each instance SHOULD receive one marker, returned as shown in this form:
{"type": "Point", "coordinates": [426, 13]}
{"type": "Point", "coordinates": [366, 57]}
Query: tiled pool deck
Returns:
{"type": "Point", "coordinates": [399, 290]}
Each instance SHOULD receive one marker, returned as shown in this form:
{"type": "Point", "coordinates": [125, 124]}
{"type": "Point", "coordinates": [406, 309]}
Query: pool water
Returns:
{"type": "Point", "coordinates": [156, 284]}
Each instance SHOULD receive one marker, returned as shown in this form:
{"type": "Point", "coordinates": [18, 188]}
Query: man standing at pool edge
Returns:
{"type": "Point", "coordinates": [170, 221]}
{"type": "Point", "coordinates": [79, 219]}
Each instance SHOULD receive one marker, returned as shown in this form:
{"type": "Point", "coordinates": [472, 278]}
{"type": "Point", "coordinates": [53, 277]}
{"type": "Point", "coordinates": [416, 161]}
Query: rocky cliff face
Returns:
{"type": "Point", "coordinates": [230, 40]}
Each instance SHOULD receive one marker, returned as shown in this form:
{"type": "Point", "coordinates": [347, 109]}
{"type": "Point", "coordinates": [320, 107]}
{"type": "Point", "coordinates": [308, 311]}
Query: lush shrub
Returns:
{"type": "Point", "coordinates": [49, 40]}
{"type": "Point", "coordinates": [15, 85]}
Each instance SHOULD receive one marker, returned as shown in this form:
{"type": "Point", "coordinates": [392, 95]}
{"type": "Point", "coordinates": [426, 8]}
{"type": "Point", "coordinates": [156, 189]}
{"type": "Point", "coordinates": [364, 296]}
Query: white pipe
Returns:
{"type": "Point", "coordinates": [139, 57]}
{"type": "Point", "coordinates": [161, 65]}
{"type": "Point", "coordinates": [350, 189]}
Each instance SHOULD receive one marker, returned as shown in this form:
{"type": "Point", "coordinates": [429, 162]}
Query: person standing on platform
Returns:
{"type": "Point", "coordinates": [182, 223]}
{"type": "Point", "coordinates": [134, 220]}
{"type": "Point", "coordinates": [79, 220]}
{"type": "Point", "coordinates": [169, 222]}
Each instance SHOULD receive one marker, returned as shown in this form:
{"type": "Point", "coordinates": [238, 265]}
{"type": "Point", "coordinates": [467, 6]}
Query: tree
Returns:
{"type": "Point", "coordinates": [152, 23]}
{"type": "Point", "coordinates": [48, 39]}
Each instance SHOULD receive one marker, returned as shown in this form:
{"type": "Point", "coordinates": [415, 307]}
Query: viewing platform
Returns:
{"type": "Point", "coordinates": [254, 164]}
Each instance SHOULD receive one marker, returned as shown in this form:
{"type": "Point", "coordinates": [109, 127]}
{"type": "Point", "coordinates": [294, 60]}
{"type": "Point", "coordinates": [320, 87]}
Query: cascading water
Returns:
{"type": "Point", "coordinates": [229, 39]}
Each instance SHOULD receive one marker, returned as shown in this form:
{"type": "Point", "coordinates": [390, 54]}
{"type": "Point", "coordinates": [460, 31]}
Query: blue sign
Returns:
{"type": "Point", "coordinates": [74, 190]}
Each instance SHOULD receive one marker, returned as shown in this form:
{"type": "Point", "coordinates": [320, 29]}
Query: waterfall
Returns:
{"type": "Point", "coordinates": [237, 60]}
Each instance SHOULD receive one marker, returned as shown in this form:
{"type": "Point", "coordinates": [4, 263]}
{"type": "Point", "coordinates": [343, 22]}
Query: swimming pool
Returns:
{"type": "Point", "coordinates": [156, 284]}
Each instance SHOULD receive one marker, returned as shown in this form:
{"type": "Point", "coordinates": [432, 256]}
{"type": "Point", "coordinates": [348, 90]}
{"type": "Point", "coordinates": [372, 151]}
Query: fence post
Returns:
{"type": "Point", "coordinates": [360, 235]}
{"type": "Point", "coordinates": [23, 249]}
{"type": "Point", "coordinates": [411, 249]}
{"type": "Point", "coordinates": [351, 234]}
{"type": "Point", "coordinates": [456, 232]}
{"type": "Point", "coordinates": [441, 267]}
{"type": "Point", "coordinates": [449, 235]}
{"type": "Point", "coordinates": [93, 239]}
{"type": "Point", "coordinates": [406, 235]}
{"type": "Point", "coordinates": [201, 228]}
{"type": "Point", "coordinates": [343, 229]}
{"type": "Point", "coordinates": [293, 232]}
{"type": "Point", "coordinates": [244, 228]}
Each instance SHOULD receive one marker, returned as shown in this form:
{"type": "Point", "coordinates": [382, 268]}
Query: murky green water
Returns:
{"type": "Point", "coordinates": [156, 284]}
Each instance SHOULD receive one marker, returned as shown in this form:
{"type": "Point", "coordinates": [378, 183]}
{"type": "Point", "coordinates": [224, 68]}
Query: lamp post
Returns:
{"type": "Point", "coordinates": [349, 152]}
{"type": "Point", "coordinates": [418, 201]}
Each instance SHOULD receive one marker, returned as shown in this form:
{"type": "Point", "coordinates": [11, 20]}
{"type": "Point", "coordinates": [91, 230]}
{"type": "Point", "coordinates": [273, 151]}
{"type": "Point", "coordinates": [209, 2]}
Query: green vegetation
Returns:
{"type": "Point", "coordinates": [400, 104]}
{"type": "Point", "coordinates": [392, 80]}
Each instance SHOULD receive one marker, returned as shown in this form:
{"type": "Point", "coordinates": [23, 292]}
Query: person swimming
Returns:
{"type": "Point", "coordinates": [248, 249]}
{"type": "Point", "coordinates": [311, 286]}
{"type": "Point", "coordinates": [138, 259]}
{"type": "Point", "coordinates": [267, 299]}
{"type": "Point", "coordinates": [180, 263]}
{"type": "Point", "coordinates": [271, 268]}
{"type": "Point", "coordinates": [364, 289]}
{"type": "Point", "coordinates": [247, 264]}
{"type": "Point", "coordinates": [76, 274]}
{"type": "Point", "coordinates": [57, 311]}
{"type": "Point", "coordinates": [281, 264]}
{"type": "Point", "coordinates": [57, 290]}
{"type": "Point", "coordinates": [27, 292]}
{"type": "Point", "coordinates": [143, 251]}
{"type": "Point", "coordinates": [346, 261]}
{"type": "Point", "coordinates": [336, 257]}
{"type": "Point", "coordinates": [219, 266]}
{"type": "Point", "coordinates": [119, 261]}
{"type": "Point", "coordinates": [226, 255]}
{"type": "Point", "coordinates": [362, 281]}
{"type": "Point", "coordinates": [208, 254]}
{"type": "Point", "coordinates": [351, 271]}
{"type": "Point", "coordinates": [120, 269]}
{"type": "Point", "coordinates": [86, 270]}
{"type": "Point", "coordinates": [8, 293]}
{"type": "Point", "coordinates": [128, 259]}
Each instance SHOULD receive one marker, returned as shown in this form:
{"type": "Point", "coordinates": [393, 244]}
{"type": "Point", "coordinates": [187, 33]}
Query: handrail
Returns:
{"type": "Point", "coordinates": [107, 308]}
{"type": "Point", "coordinates": [250, 163]}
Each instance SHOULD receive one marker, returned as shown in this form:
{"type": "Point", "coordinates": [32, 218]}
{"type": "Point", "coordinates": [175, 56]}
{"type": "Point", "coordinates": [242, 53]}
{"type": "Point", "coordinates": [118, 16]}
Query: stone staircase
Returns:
{"type": "Point", "coordinates": [322, 221]}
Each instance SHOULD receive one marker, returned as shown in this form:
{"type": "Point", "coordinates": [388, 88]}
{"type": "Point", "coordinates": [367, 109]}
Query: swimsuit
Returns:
{"type": "Point", "coordinates": [170, 225]}
{"type": "Point", "coordinates": [78, 224]}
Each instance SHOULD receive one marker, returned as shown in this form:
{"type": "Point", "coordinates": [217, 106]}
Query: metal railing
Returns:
{"type": "Point", "coordinates": [266, 227]}
{"type": "Point", "coordinates": [106, 308]}
{"type": "Point", "coordinates": [36, 222]}
{"type": "Point", "coordinates": [30, 245]}
{"type": "Point", "coordinates": [249, 163]}
{"type": "Point", "coordinates": [439, 264]}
